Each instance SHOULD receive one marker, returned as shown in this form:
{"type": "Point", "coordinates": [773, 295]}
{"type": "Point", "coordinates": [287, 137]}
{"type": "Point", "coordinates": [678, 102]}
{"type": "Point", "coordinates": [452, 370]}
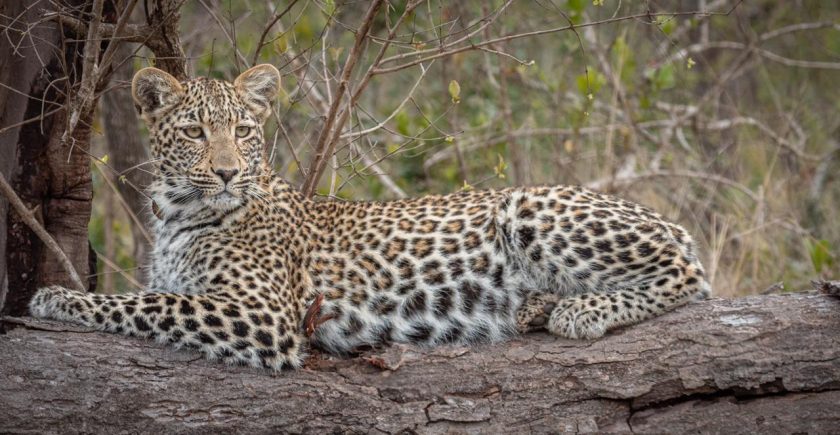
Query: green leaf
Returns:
{"type": "Point", "coordinates": [500, 167]}
{"type": "Point", "coordinates": [668, 26]}
{"type": "Point", "coordinates": [576, 5]}
{"type": "Point", "coordinates": [664, 78]}
{"type": "Point", "coordinates": [591, 82]}
{"type": "Point", "coordinates": [403, 122]}
{"type": "Point", "coordinates": [330, 7]}
{"type": "Point", "coordinates": [625, 60]}
{"type": "Point", "coordinates": [575, 10]}
{"type": "Point", "coordinates": [455, 91]}
{"type": "Point", "coordinates": [281, 44]}
{"type": "Point", "coordinates": [820, 252]}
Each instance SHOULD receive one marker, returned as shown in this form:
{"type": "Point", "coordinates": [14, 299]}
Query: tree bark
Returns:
{"type": "Point", "coordinates": [753, 365]}
{"type": "Point", "coordinates": [41, 66]}
{"type": "Point", "coordinates": [50, 175]}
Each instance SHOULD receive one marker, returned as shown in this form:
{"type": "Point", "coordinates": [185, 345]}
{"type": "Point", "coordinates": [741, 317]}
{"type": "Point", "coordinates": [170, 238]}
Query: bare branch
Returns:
{"type": "Point", "coordinates": [271, 22]}
{"type": "Point", "coordinates": [448, 52]}
{"type": "Point", "coordinates": [622, 180]}
{"type": "Point", "coordinates": [323, 147]}
{"type": "Point", "coordinates": [90, 72]}
{"type": "Point", "coordinates": [409, 95]}
{"type": "Point", "coordinates": [29, 219]}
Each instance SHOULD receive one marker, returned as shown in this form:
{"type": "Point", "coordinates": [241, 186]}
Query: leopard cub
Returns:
{"type": "Point", "coordinates": [242, 261]}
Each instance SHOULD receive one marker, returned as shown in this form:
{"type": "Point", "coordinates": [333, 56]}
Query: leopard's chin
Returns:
{"type": "Point", "coordinates": [224, 201]}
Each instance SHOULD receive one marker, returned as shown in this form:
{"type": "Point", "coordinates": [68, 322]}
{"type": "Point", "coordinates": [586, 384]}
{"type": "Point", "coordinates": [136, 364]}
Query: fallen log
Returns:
{"type": "Point", "coordinates": [752, 365]}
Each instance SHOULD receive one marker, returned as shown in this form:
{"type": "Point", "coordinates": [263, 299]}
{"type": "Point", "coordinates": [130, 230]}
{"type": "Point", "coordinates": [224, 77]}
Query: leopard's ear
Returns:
{"type": "Point", "coordinates": [258, 87]}
{"type": "Point", "coordinates": [155, 92]}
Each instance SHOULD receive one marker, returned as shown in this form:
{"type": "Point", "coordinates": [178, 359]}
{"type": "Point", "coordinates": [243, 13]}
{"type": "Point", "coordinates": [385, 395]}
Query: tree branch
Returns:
{"type": "Point", "coordinates": [29, 219]}
{"type": "Point", "coordinates": [323, 147]}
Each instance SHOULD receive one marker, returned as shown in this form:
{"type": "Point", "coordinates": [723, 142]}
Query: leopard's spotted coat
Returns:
{"type": "Point", "coordinates": [239, 253]}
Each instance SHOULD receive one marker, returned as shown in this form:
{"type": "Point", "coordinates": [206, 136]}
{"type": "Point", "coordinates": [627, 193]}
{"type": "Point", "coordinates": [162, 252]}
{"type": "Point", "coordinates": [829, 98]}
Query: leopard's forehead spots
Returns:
{"type": "Point", "coordinates": [214, 103]}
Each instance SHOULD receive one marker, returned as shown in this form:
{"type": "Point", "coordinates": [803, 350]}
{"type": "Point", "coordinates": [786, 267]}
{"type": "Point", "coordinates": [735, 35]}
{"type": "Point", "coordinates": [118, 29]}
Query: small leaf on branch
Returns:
{"type": "Point", "coordinates": [455, 91]}
{"type": "Point", "coordinates": [501, 167]}
{"type": "Point", "coordinates": [281, 44]}
{"type": "Point", "coordinates": [335, 53]}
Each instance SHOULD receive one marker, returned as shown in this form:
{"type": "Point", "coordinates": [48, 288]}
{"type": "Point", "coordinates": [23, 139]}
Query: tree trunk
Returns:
{"type": "Point", "coordinates": [41, 67]}
{"type": "Point", "coordinates": [52, 176]}
{"type": "Point", "coordinates": [753, 365]}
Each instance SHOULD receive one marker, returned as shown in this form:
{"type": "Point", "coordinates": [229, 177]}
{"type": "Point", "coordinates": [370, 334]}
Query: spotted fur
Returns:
{"type": "Point", "coordinates": [239, 253]}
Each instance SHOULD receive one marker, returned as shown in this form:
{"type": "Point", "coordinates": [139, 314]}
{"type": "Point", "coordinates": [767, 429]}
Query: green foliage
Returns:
{"type": "Point", "coordinates": [591, 82]}
{"type": "Point", "coordinates": [455, 91]}
{"type": "Point", "coordinates": [820, 253]}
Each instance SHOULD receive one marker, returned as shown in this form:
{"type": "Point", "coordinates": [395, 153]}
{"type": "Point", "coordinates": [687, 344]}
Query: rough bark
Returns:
{"type": "Point", "coordinates": [48, 174]}
{"type": "Point", "coordinates": [42, 64]}
{"type": "Point", "coordinates": [753, 365]}
{"type": "Point", "coordinates": [164, 17]}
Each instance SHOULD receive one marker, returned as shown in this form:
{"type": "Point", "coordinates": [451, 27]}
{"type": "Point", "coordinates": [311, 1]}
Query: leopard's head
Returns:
{"type": "Point", "coordinates": [206, 136]}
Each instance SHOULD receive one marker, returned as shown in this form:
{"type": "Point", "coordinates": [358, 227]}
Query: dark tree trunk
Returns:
{"type": "Point", "coordinates": [761, 364]}
{"type": "Point", "coordinates": [41, 62]}
{"type": "Point", "coordinates": [42, 65]}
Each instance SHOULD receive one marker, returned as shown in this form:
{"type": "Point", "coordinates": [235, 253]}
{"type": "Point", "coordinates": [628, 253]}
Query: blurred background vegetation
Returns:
{"type": "Point", "coordinates": [725, 122]}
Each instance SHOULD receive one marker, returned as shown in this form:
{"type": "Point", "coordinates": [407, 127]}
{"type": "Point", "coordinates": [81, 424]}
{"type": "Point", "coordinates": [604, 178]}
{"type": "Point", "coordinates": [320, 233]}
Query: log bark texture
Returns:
{"type": "Point", "coordinates": [762, 364]}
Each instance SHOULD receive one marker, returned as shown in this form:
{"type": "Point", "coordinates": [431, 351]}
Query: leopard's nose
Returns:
{"type": "Point", "coordinates": [226, 174]}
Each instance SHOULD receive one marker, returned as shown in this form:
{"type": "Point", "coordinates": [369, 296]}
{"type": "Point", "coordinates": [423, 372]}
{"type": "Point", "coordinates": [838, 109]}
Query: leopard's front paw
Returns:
{"type": "Point", "coordinates": [48, 301]}
{"type": "Point", "coordinates": [535, 311]}
{"type": "Point", "coordinates": [577, 321]}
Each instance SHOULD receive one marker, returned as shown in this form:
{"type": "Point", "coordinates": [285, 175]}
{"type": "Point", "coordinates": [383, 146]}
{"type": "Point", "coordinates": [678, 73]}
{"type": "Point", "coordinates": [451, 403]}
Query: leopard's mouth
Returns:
{"type": "Point", "coordinates": [225, 200]}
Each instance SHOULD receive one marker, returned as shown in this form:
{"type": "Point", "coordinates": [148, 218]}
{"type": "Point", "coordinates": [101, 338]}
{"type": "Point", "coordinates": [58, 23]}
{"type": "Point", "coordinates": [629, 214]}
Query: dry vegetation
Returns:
{"type": "Point", "coordinates": [720, 114]}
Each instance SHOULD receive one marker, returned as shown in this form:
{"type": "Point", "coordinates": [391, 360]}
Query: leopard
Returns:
{"type": "Point", "coordinates": [250, 271]}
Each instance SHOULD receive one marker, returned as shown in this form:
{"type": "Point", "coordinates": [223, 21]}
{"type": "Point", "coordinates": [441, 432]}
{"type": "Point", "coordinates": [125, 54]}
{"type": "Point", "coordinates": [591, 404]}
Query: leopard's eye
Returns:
{"type": "Point", "coordinates": [194, 132]}
{"type": "Point", "coordinates": [243, 131]}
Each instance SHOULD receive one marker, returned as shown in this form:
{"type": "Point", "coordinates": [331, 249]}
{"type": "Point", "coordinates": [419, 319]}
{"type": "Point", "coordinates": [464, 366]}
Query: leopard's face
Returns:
{"type": "Point", "coordinates": [206, 135]}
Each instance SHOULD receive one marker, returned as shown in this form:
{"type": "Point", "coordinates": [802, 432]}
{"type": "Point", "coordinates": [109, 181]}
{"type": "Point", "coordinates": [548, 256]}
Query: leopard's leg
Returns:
{"type": "Point", "coordinates": [219, 325]}
{"type": "Point", "coordinates": [534, 312]}
{"type": "Point", "coordinates": [591, 315]}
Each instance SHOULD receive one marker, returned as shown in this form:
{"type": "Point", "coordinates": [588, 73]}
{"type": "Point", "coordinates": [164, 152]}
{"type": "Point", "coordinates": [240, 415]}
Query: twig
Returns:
{"type": "Point", "coordinates": [90, 73]}
{"type": "Point", "coordinates": [323, 147]}
{"type": "Point", "coordinates": [271, 22]}
{"type": "Point", "coordinates": [355, 134]}
{"type": "Point", "coordinates": [443, 52]}
{"type": "Point", "coordinates": [767, 54]}
{"type": "Point", "coordinates": [629, 179]}
{"type": "Point", "coordinates": [117, 269]}
{"type": "Point", "coordinates": [124, 204]}
{"type": "Point", "coordinates": [29, 219]}
{"type": "Point", "coordinates": [239, 56]}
